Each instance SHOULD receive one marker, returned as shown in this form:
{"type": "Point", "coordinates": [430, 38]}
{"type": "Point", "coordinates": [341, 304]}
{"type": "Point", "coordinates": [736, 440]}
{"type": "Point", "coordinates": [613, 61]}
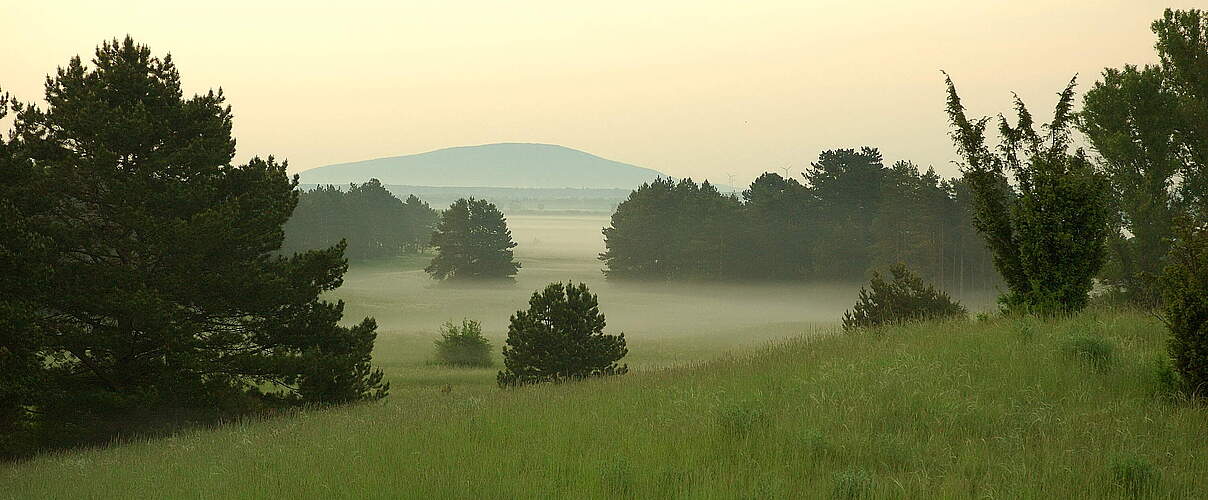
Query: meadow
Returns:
{"type": "Point", "coordinates": [736, 392]}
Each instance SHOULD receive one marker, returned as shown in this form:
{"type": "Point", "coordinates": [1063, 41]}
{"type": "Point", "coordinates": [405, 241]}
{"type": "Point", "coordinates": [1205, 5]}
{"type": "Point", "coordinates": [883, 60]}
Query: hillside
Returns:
{"type": "Point", "coordinates": [494, 165]}
{"type": "Point", "coordinates": [1004, 409]}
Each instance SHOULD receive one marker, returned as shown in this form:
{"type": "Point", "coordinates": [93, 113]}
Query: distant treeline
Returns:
{"type": "Point", "coordinates": [374, 222]}
{"type": "Point", "coordinates": [852, 214]}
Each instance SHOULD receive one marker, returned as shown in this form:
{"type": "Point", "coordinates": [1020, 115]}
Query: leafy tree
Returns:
{"type": "Point", "coordinates": [560, 337]}
{"type": "Point", "coordinates": [1183, 54]}
{"type": "Point", "coordinates": [1186, 280]}
{"type": "Point", "coordinates": [1047, 238]}
{"type": "Point", "coordinates": [463, 345]}
{"type": "Point", "coordinates": [472, 241]}
{"type": "Point", "coordinates": [140, 280]}
{"type": "Point", "coordinates": [1130, 118]}
{"type": "Point", "coordinates": [906, 298]}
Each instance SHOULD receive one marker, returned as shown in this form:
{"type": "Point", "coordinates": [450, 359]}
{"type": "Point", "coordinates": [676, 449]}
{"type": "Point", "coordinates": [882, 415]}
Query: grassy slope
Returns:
{"type": "Point", "coordinates": [994, 409]}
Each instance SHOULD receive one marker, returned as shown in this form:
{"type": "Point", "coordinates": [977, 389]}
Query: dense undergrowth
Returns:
{"type": "Point", "coordinates": [1006, 408]}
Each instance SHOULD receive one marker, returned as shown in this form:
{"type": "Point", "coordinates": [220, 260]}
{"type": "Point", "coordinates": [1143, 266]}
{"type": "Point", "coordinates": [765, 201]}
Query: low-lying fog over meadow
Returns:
{"type": "Point", "coordinates": [664, 322]}
{"type": "Point", "coordinates": [674, 249]}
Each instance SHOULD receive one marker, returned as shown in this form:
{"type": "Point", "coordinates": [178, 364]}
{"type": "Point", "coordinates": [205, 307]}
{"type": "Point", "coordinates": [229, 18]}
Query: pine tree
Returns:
{"type": "Point", "coordinates": [905, 298]}
{"type": "Point", "coordinates": [472, 241]}
{"type": "Point", "coordinates": [141, 268]}
{"type": "Point", "coordinates": [560, 337]}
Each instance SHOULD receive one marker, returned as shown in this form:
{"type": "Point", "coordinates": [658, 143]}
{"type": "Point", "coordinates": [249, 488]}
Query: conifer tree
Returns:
{"type": "Point", "coordinates": [1048, 237]}
{"type": "Point", "coordinates": [140, 270]}
{"type": "Point", "coordinates": [560, 337]}
{"type": "Point", "coordinates": [472, 241]}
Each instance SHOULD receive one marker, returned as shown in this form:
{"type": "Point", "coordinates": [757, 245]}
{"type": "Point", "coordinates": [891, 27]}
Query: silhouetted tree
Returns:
{"type": "Point", "coordinates": [1048, 238]}
{"type": "Point", "coordinates": [472, 241]}
{"type": "Point", "coordinates": [140, 279]}
{"type": "Point", "coordinates": [560, 337]}
{"type": "Point", "coordinates": [373, 222]}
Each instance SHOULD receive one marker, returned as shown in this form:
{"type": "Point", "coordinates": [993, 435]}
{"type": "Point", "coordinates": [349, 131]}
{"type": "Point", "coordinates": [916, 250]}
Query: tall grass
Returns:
{"type": "Point", "coordinates": [995, 409]}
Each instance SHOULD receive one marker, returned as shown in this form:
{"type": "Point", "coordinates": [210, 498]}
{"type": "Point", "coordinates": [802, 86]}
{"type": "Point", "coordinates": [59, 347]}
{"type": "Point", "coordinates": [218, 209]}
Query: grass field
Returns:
{"type": "Point", "coordinates": [1000, 409]}
{"type": "Point", "coordinates": [736, 391]}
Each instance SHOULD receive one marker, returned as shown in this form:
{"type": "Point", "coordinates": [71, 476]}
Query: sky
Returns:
{"type": "Point", "coordinates": [696, 88]}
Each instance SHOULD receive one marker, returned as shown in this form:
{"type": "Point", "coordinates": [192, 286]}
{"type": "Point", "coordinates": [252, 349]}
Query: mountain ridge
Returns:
{"type": "Point", "coordinates": [507, 164]}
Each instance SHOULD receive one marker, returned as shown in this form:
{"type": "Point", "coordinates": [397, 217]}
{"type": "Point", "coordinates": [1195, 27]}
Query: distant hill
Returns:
{"type": "Point", "coordinates": [517, 165]}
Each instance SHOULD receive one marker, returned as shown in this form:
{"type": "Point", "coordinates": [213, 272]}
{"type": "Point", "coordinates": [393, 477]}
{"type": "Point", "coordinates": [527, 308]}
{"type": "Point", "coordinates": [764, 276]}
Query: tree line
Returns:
{"type": "Point", "coordinates": [849, 214]}
{"type": "Point", "coordinates": [374, 223]}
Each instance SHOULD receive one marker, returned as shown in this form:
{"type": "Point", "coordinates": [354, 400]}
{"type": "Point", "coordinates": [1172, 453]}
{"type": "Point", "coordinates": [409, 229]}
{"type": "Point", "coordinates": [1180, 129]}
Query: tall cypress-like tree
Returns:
{"type": "Point", "coordinates": [473, 241]}
{"type": "Point", "coordinates": [1048, 238]}
{"type": "Point", "coordinates": [141, 271]}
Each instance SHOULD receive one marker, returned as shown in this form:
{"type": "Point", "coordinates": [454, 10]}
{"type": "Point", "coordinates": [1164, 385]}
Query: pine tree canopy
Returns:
{"type": "Point", "coordinates": [140, 274]}
{"type": "Point", "coordinates": [472, 241]}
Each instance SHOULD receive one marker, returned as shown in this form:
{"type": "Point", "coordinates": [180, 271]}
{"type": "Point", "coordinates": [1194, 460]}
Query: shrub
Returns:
{"type": "Point", "coordinates": [739, 419]}
{"type": "Point", "coordinates": [1186, 283]}
{"type": "Point", "coordinates": [852, 484]}
{"type": "Point", "coordinates": [905, 298]}
{"type": "Point", "coordinates": [559, 337]}
{"type": "Point", "coordinates": [1095, 350]}
{"type": "Point", "coordinates": [463, 345]}
{"type": "Point", "coordinates": [1135, 475]}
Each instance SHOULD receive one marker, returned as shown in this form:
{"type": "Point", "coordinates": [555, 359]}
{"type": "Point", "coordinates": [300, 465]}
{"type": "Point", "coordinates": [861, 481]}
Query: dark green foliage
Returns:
{"type": "Point", "coordinates": [463, 345]}
{"type": "Point", "coordinates": [906, 298]}
{"type": "Point", "coordinates": [668, 229]}
{"type": "Point", "coordinates": [1134, 475]}
{"type": "Point", "coordinates": [1048, 230]}
{"type": "Point", "coordinates": [374, 222]}
{"type": "Point", "coordinates": [1183, 54]}
{"type": "Point", "coordinates": [1094, 349]}
{"type": "Point", "coordinates": [1186, 309]}
{"type": "Point", "coordinates": [560, 337]}
{"type": "Point", "coordinates": [472, 241]}
{"type": "Point", "coordinates": [1150, 126]}
{"type": "Point", "coordinates": [852, 484]}
{"type": "Point", "coordinates": [852, 214]}
{"type": "Point", "coordinates": [140, 280]}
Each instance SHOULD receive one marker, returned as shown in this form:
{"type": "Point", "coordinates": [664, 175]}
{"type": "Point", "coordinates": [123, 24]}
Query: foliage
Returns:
{"type": "Point", "coordinates": [1135, 475]}
{"type": "Point", "coordinates": [1150, 126]}
{"type": "Point", "coordinates": [1048, 230]}
{"type": "Point", "coordinates": [851, 214]}
{"type": "Point", "coordinates": [1093, 349]}
{"type": "Point", "coordinates": [906, 298]}
{"type": "Point", "coordinates": [140, 283]}
{"type": "Point", "coordinates": [560, 337]}
{"type": "Point", "coordinates": [463, 345]}
{"type": "Point", "coordinates": [1186, 307]}
{"type": "Point", "coordinates": [1183, 55]}
{"type": "Point", "coordinates": [472, 241]}
{"type": "Point", "coordinates": [370, 218]}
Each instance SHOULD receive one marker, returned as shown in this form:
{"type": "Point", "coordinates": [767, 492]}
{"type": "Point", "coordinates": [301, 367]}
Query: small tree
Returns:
{"type": "Point", "coordinates": [561, 336]}
{"type": "Point", "coordinates": [1186, 280]}
{"type": "Point", "coordinates": [472, 241]}
{"type": "Point", "coordinates": [463, 345]}
{"type": "Point", "coordinates": [1047, 237]}
{"type": "Point", "coordinates": [906, 298]}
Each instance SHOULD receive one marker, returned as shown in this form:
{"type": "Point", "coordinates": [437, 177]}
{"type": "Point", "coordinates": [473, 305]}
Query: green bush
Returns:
{"type": "Point", "coordinates": [463, 345]}
{"type": "Point", "coordinates": [852, 484]}
{"type": "Point", "coordinates": [1093, 349]}
{"type": "Point", "coordinates": [560, 337]}
{"type": "Point", "coordinates": [1135, 475]}
{"type": "Point", "coordinates": [906, 298]}
{"type": "Point", "coordinates": [1186, 283]}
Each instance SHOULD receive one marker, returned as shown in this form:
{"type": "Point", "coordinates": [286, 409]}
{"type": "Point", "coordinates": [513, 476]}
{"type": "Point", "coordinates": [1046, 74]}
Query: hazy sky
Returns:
{"type": "Point", "coordinates": [694, 88]}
